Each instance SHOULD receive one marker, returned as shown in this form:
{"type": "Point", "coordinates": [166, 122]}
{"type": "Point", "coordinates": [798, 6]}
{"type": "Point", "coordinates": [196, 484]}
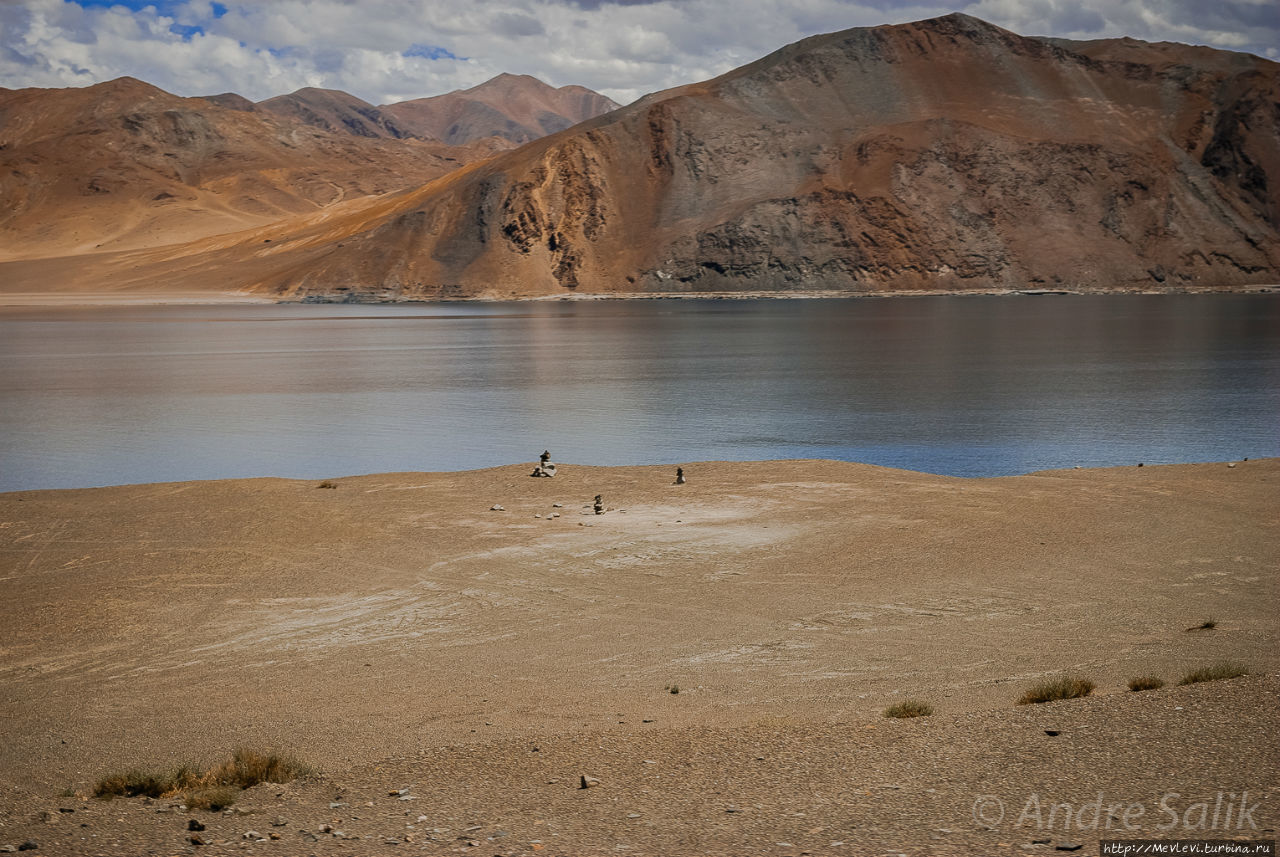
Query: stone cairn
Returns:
{"type": "Point", "coordinates": [545, 466]}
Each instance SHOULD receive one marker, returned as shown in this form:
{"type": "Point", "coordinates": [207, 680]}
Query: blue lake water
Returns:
{"type": "Point", "coordinates": [970, 386]}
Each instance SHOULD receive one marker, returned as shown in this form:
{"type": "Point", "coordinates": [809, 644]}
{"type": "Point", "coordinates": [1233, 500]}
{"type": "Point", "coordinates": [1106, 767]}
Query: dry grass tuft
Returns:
{"type": "Point", "coordinates": [214, 788]}
{"type": "Point", "coordinates": [247, 768]}
{"type": "Point", "coordinates": [910, 708]}
{"type": "Point", "coordinates": [1067, 687]}
{"type": "Point", "coordinates": [214, 799]}
{"type": "Point", "coordinates": [1215, 672]}
{"type": "Point", "coordinates": [1146, 682]}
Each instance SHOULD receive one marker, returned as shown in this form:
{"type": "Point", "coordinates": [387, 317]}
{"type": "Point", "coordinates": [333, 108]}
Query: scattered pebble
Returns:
{"type": "Point", "coordinates": [588, 782]}
{"type": "Point", "coordinates": [195, 824]}
{"type": "Point", "coordinates": [497, 508]}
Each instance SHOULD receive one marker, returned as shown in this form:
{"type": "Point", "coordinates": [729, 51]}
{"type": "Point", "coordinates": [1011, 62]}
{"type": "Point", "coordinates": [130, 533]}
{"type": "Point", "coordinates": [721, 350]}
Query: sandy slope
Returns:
{"type": "Point", "coordinates": [368, 626]}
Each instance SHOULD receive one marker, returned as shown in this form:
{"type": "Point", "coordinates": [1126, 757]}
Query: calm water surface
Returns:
{"type": "Point", "coordinates": [966, 386]}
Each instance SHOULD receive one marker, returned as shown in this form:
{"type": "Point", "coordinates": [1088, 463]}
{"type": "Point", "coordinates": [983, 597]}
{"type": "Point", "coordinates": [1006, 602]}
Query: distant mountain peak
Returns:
{"type": "Point", "coordinates": [517, 107]}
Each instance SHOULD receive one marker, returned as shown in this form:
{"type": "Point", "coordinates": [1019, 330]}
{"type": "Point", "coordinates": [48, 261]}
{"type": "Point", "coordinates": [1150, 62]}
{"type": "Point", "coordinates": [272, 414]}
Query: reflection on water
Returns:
{"type": "Point", "coordinates": [965, 386]}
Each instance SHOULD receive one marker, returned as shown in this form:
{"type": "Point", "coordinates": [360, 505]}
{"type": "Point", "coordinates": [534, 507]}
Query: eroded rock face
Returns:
{"type": "Point", "coordinates": [946, 154]}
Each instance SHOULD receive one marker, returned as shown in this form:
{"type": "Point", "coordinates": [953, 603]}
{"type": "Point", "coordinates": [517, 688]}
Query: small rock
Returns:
{"type": "Point", "coordinates": [474, 843]}
{"type": "Point", "coordinates": [588, 782]}
{"type": "Point", "coordinates": [326, 828]}
{"type": "Point", "coordinates": [633, 815]}
{"type": "Point", "coordinates": [731, 808]}
{"type": "Point", "coordinates": [29, 845]}
{"type": "Point", "coordinates": [1052, 733]}
{"type": "Point", "coordinates": [280, 822]}
{"type": "Point", "coordinates": [557, 505]}
{"type": "Point", "coordinates": [407, 797]}
{"type": "Point", "coordinates": [65, 809]}
{"type": "Point", "coordinates": [496, 508]}
{"type": "Point", "coordinates": [337, 804]}
{"type": "Point", "coordinates": [197, 839]}
{"type": "Point", "coordinates": [275, 835]}
{"type": "Point", "coordinates": [397, 792]}
{"type": "Point", "coordinates": [1068, 846]}
{"type": "Point", "coordinates": [195, 824]}
{"type": "Point", "coordinates": [1231, 465]}
{"type": "Point", "coordinates": [8, 849]}
{"type": "Point", "coordinates": [252, 834]}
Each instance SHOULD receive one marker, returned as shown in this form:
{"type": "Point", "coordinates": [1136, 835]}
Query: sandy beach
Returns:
{"type": "Point", "coordinates": [397, 632]}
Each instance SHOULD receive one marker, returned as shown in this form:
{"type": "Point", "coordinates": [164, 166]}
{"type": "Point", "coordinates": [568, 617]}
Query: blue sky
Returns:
{"type": "Point", "coordinates": [391, 50]}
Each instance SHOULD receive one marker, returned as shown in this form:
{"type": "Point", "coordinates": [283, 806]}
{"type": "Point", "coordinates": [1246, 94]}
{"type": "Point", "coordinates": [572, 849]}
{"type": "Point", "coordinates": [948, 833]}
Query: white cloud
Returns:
{"type": "Point", "coordinates": [623, 48]}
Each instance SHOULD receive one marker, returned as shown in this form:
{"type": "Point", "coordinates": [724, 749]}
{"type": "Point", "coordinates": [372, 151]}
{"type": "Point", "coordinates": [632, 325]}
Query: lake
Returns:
{"type": "Point", "coordinates": [971, 386]}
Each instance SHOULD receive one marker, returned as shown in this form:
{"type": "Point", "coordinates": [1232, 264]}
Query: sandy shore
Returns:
{"type": "Point", "coordinates": [94, 299]}
{"type": "Point", "coordinates": [398, 633]}
{"type": "Point", "coordinates": [195, 296]}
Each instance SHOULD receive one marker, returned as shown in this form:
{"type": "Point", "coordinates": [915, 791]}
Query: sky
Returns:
{"type": "Point", "coordinates": [393, 50]}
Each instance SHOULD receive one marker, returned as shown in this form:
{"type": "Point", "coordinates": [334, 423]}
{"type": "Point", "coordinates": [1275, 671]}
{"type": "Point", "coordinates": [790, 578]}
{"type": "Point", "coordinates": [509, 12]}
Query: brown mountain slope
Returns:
{"type": "Point", "coordinates": [518, 108]}
{"type": "Point", "coordinates": [334, 110]}
{"type": "Point", "coordinates": [123, 165]}
{"type": "Point", "coordinates": [945, 154]}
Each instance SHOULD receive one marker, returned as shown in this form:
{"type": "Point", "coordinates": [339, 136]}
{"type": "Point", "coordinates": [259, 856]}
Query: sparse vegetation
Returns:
{"type": "Point", "coordinates": [1215, 672]}
{"type": "Point", "coordinates": [214, 799]}
{"type": "Point", "coordinates": [1146, 682]}
{"type": "Point", "coordinates": [1066, 687]}
{"type": "Point", "coordinates": [214, 788]}
{"type": "Point", "coordinates": [910, 708]}
{"type": "Point", "coordinates": [247, 768]}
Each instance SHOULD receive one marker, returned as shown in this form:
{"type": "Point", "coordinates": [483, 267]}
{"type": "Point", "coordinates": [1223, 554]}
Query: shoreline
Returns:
{"type": "Point", "coordinates": [197, 298]}
{"type": "Point", "coordinates": [570, 465]}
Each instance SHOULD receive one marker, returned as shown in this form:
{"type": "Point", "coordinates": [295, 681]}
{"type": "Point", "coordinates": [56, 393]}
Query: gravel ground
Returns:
{"type": "Point", "coordinates": [397, 634]}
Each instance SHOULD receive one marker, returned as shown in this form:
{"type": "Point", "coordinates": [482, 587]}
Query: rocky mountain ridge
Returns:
{"type": "Point", "coordinates": [948, 154]}
{"type": "Point", "coordinates": [943, 155]}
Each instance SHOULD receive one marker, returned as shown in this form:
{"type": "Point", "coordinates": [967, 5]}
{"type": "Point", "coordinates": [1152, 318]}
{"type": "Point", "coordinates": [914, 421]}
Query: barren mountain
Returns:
{"type": "Point", "coordinates": [334, 110]}
{"type": "Point", "coordinates": [123, 165]}
{"type": "Point", "coordinates": [944, 154]}
{"type": "Point", "coordinates": [516, 107]}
